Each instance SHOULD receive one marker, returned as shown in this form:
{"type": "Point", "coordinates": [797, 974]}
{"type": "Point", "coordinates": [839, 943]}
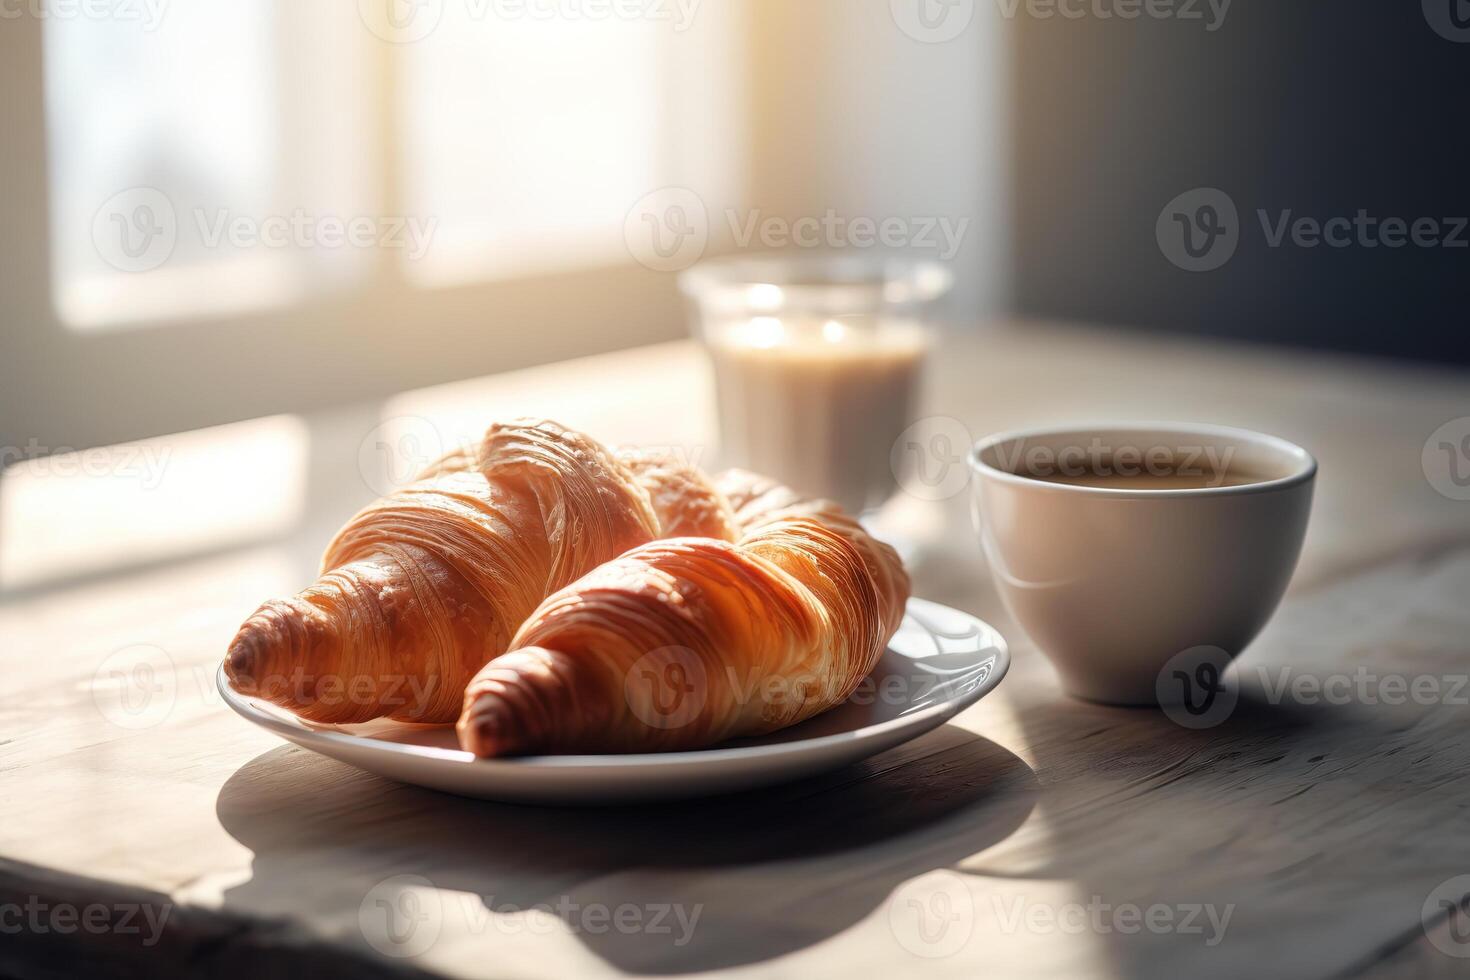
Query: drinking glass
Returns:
{"type": "Point", "coordinates": [817, 362]}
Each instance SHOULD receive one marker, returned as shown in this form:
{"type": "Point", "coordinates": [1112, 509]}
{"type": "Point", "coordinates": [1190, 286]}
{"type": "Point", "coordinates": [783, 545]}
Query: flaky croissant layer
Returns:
{"type": "Point", "coordinates": [686, 643]}
{"type": "Point", "coordinates": [423, 587]}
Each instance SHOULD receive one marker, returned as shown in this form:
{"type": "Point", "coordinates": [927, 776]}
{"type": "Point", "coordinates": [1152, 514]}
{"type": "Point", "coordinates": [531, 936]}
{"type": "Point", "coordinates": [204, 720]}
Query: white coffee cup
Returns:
{"type": "Point", "coordinates": [1114, 584]}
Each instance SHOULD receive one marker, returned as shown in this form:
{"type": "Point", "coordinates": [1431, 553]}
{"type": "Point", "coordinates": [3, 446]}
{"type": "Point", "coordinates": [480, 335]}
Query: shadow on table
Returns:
{"type": "Point", "coordinates": [1295, 839]}
{"type": "Point", "coordinates": [730, 880]}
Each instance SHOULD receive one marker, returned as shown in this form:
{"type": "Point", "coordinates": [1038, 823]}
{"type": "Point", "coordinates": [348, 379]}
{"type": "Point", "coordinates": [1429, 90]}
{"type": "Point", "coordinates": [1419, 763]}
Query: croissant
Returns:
{"type": "Point", "coordinates": [685, 643]}
{"type": "Point", "coordinates": [423, 587]}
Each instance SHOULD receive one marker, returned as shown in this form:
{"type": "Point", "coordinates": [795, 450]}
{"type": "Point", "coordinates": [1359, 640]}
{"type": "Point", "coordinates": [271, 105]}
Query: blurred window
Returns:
{"type": "Point", "coordinates": [212, 158]}
{"type": "Point", "coordinates": [137, 154]}
{"type": "Point", "coordinates": [529, 139]}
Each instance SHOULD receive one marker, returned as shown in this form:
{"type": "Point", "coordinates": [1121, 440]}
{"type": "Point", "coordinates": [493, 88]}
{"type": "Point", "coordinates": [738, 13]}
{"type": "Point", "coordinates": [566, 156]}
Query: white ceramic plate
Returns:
{"type": "Point", "coordinates": [940, 662]}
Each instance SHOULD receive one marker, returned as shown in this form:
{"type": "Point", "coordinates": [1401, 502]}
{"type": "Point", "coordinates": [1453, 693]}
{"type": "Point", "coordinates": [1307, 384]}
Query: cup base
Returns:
{"type": "Point", "coordinates": [1116, 691]}
{"type": "Point", "coordinates": [1151, 701]}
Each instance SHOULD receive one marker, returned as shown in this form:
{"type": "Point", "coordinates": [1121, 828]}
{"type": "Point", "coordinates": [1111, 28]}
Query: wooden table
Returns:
{"type": "Point", "coordinates": [1034, 836]}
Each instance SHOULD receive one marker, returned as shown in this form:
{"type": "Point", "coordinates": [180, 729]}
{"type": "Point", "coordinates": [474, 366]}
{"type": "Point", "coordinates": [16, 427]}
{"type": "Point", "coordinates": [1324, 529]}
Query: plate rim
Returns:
{"type": "Point", "coordinates": [245, 706]}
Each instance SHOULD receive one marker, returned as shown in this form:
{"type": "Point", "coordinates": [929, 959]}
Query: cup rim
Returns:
{"type": "Point", "coordinates": [1305, 471]}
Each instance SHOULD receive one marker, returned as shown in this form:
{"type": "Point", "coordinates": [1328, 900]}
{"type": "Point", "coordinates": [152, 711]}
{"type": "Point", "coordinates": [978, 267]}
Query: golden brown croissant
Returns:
{"type": "Point", "coordinates": [423, 587]}
{"type": "Point", "coordinates": [685, 643]}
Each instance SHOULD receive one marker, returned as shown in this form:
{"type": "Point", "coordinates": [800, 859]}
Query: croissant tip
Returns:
{"type": "Point", "coordinates": [240, 662]}
{"type": "Point", "coordinates": [490, 726]}
{"type": "Point", "coordinates": [481, 731]}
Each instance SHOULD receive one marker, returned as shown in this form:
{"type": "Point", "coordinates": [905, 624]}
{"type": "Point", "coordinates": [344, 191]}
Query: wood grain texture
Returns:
{"type": "Point", "coordinates": [1012, 842]}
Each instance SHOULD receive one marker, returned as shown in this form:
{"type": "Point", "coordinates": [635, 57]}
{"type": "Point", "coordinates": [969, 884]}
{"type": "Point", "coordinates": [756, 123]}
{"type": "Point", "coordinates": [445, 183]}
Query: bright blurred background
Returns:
{"type": "Point", "coordinates": [234, 232]}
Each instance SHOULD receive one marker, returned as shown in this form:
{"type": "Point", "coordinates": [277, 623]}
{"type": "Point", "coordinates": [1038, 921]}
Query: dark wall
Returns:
{"type": "Point", "coordinates": [1316, 107]}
